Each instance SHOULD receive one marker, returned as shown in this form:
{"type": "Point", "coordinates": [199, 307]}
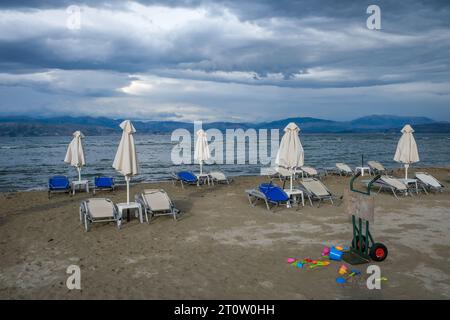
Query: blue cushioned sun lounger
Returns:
{"type": "Point", "coordinates": [270, 193]}
{"type": "Point", "coordinates": [103, 183]}
{"type": "Point", "coordinates": [185, 177]}
{"type": "Point", "coordinates": [58, 184]}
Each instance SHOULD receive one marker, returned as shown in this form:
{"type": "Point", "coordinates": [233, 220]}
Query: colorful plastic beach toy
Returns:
{"type": "Point", "coordinates": [335, 254]}
{"type": "Point", "coordinates": [291, 260]}
{"type": "Point", "coordinates": [341, 280]}
{"type": "Point", "coordinates": [325, 251]}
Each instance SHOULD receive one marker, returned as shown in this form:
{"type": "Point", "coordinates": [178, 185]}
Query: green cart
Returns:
{"type": "Point", "coordinates": [360, 205]}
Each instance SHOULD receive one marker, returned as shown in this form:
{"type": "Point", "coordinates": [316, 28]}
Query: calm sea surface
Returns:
{"type": "Point", "coordinates": [27, 163]}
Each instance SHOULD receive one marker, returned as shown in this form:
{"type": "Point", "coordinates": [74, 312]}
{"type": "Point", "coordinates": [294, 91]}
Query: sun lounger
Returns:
{"type": "Point", "coordinates": [376, 167]}
{"type": "Point", "coordinates": [96, 210]}
{"type": "Point", "coordinates": [310, 172]}
{"type": "Point", "coordinates": [219, 177]}
{"type": "Point", "coordinates": [344, 169]}
{"type": "Point", "coordinates": [428, 182]}
{"type": "Point", "coordinates": [270, 194]}
{"type": "Point", "coordinates": [314, 189]}
{"type": "Point", "coordinates": [156, 202]}
{"type": "Point", "coordinates": [185, 177]}
{"type": "Point", "coordinates": [103, 183]}
{"type": "Point", "coordinates": [58, 184]}
{"type": "Point", "coordinates": [393, 184]}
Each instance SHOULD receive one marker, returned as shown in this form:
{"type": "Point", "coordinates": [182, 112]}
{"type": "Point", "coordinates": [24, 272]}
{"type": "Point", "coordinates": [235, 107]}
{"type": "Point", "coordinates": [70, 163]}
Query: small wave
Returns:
{"type": "Point", "coordinates": [35, 189]}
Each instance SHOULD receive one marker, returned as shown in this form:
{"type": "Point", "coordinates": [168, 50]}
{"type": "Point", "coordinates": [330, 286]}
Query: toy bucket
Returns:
{"type": "Point", "coordinates": [335, 254]}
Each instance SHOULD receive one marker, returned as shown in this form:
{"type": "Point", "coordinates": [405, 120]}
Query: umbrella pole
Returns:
{"type": "Point", "coordinates": [291, 181]}
{"type": "Point", "coordinates": [79, 173]}
{"type": "Point", "coordinates": [406, 171]}
{"type": "Point", "coordinates": [127, 179]}
{"type": "Point", "coordinates": [201, 169]}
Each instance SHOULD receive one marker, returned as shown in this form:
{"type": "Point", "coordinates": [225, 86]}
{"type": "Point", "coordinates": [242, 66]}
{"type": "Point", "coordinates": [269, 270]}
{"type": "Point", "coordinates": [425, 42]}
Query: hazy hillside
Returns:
{"type": "Point", "coordinates": [26, 126]}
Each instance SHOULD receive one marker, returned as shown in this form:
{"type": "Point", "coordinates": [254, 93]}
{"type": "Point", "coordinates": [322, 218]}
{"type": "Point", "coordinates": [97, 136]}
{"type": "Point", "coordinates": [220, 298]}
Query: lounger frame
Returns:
{"type": "Point", "coordinates": [395, 191]}
{"type": "Point", "coordinates": [87, 219]}
{"type": "Point", "coordinates": [428, 187]}
{"type": "Point", "coordinates": [95, 188]}
{"type": "Point", "coordinates": [312, 196]}
{"type": "Point", "coordinates": [150, 213]}
{"type": "Point", "coordinates": [175, 178]}
{"type": "Point", "coordinates": [254, 195]}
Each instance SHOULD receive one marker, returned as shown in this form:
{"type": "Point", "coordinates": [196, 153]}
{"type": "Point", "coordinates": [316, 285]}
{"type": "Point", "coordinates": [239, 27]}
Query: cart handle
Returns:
{"type": "Point", "coordinates": [369, 186]}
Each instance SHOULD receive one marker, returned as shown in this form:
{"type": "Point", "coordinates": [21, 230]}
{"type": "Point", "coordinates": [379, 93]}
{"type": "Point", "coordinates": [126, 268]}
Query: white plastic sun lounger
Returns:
{"type": "Point", "coordinates": [310, 172]}
{"type": "Point", "coordinates": [316, 190]}
{"type": "Point", "coordinates": [156, 202]}
{"type": "Point", "coordinates": [429, 183]}
{"type": "Point", "coordinates": [96, 210]}
{"type": "Point", "coordinates": [376, 167]}
{"type": "Point", "coordinates": [220, 177]}
{"type": "Point", "coordinates": [344, 169]}
{"type": "Point", "coordinates": [393, 184]}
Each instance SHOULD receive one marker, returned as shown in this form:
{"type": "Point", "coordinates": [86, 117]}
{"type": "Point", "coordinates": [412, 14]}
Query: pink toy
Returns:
{"type": "Point", "coordinates": [291, 260]}
{"type": "Point", "coordinates": [326, 251]}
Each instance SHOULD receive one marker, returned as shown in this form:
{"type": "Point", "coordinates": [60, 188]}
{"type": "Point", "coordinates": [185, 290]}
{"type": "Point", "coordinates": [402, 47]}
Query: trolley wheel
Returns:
{"type": "Point", "coordinates": [356, 244]}
{"type": "Point", "coordinates": [378, 252]}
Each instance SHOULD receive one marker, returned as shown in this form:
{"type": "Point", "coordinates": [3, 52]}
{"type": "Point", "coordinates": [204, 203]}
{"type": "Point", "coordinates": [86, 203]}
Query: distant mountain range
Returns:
{"type": "Point", "coordinates": [59, 126]}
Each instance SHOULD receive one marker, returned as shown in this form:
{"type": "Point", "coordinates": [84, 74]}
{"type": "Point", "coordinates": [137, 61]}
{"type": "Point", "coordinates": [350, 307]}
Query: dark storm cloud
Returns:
{"type": "Point", "coordinates": [135, 48]}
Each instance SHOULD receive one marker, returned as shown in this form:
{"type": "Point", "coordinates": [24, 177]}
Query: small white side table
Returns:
{"type": "Point", "coordinates": [132, 205]}
{"type": "Point", "coordinates": [363, 169]}
{"type": "Point", "coordinates": [294, 193]}
{"type": "Point", "coordinates": [411, 181]}
{"type": "Point", "coordinates": [78, 184]}
{"type": "Point", "coordinates": [201, 176]}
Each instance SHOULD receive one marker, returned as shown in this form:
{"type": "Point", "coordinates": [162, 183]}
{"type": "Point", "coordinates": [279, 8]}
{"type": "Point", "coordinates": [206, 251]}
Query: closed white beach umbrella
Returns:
{"type": "Point", "coordinates": [290, 153]}
{"type": "Point", "coordinates": [75, 153]}
{"type": "Point", "coordinates": [407, 152]}
{"type": "Point", "coordinates": [201, 152]}
{"type": "Point", "coordinates": [126, 161]}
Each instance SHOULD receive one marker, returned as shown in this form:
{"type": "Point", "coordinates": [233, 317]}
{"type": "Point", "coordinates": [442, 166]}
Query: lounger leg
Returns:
{"type": "Point", "coordinates": [267, 204]}
{"type": "Point", "coordinates": [310, 201]}
{"type": "Point", "coordinates": [395, 195]}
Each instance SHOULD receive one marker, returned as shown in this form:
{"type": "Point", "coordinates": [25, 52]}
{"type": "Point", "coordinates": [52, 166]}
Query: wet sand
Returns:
{"type": "Point", "coordinates": [221, 248]}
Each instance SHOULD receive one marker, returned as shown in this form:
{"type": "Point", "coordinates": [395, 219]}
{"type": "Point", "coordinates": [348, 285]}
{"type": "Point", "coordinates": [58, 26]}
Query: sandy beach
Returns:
{"type": "Point", "coordinates": [221, 248]}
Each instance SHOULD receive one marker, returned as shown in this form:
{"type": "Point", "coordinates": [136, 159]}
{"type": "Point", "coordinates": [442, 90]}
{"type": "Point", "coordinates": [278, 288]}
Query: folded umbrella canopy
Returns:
{"type": "Point", "coordinates": [290, 154]}
{"type": "Point", "coordinates": [407, 152]}
{"type": "Point", "coordinates": [75, 153]}
{"type": "Point", "coordinates": [126, 161]}
{"type": "Point", "coordinates": [201, 148]}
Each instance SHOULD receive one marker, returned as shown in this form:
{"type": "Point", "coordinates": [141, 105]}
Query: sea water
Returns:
{"type": "Point", "coordinates": [26, 163]}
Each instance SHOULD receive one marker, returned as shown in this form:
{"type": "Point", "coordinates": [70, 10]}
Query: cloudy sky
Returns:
{"type": "Point", "coordinates": [224, 60]}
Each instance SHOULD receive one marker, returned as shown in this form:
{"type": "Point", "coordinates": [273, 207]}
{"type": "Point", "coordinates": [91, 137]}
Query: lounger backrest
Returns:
{"type": "Point", "coordinates": [428, 179]}
{"type": "Point", "coordinates": [187, 176]}
{"type": "Point", "coordinates": [157, 200]}
{"type": "Point", "coordinates": [310, 171]}
{"type": "Point", "coordinates": [376, 165]}
{"type": "Point", "coordinates": [273, 192]}
{"type": "Point", "coordinates": [393, 182]}
{"type": "Point", "coordinates": [100, 208]}
{"type": "Point", "coordinates": [59, 182]}
{"type": "Point", "coordinates": [104, 182]}
{"type": "Point", "coordinates": [316, 187]}
{"type": "Point", "coordinates": [218, 175]}
{"type": "Point", "coordinates": [343, 167]}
